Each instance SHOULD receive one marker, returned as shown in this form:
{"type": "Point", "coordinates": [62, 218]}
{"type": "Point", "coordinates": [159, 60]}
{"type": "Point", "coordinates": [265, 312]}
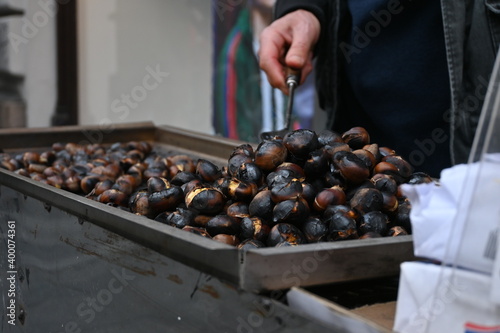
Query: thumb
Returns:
{"type": "Point", "coordinates": [298, 53]}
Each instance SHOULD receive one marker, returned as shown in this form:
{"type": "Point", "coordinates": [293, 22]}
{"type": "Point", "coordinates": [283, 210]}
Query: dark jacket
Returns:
{"type": "Point", "coordinates": [472, 35]}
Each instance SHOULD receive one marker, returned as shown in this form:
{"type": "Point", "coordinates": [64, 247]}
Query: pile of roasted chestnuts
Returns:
{"type": "Point", "coordinates": [304, 187]}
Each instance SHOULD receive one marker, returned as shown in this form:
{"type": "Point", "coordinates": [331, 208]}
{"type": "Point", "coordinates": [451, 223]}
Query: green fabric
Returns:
{"type": "Point", "coordinates": [248, 96]}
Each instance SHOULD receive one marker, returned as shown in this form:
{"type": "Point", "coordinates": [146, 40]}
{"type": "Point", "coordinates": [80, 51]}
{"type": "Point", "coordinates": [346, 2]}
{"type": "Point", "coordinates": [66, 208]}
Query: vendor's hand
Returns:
{"type": "Point", "coordinates": [294, 36]}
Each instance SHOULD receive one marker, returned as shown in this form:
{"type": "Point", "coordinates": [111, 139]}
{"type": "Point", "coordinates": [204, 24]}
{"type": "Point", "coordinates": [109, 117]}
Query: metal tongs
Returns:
{"type": "Point", "coordinates": [292, 81]}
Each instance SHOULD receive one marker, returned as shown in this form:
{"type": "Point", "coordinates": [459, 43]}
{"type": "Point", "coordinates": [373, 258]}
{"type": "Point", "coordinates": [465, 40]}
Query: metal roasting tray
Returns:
{"type": "Point", "coordinates": [255, 270]}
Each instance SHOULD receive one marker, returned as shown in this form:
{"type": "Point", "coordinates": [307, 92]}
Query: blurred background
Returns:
{"type": "Point", "coordinates": [101, 62]}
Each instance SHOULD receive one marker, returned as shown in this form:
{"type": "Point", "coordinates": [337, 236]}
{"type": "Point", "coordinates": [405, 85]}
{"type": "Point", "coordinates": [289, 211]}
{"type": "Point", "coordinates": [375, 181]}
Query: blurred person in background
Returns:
{"type": "Point", "coordinates": [245, 104]}
{"type": "Point", "coordinates": [413, 73]}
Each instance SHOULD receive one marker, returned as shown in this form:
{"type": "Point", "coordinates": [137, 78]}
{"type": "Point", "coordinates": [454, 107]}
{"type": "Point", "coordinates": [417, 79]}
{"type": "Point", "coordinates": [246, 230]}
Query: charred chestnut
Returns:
{"type": "Point", "coordinates": [205, 200]}
{"type": "Point", "coordinates": [384, 183]}
{"type": "Point", "coordinates": [250, 244]}
{"type": "Point", "coordinates": [375, 221]}
{"type": "Point", "coordinates": [238, 210]}
{"type": "Point", "coordinates": [301, 142]}
{"type": "Point", "coordinates": [179, 218]}
{"type": "Point", "coordinates": [113, 197]}
{"type": "Point", "coordinates": [207, 171]}
{"type": "Point", "coordinates": [356, 137]}
{"type": "Point", "coordinates": [405, 169]}
{"type": "Point", "coordinates": [250, 173]}
{"type": "Point", "coordinates": [284, 232]}
{"type": "Point", "coordinates": [235, 161]}
{"type": "Point", "coordinates": [292, 211]}
{"type": "Point", "coordinates": [227, 239]}
{"type": "Point", "coordinates": [341, 227]}
{"type": "Point", "coordinates": [315, 230]}
{"type": "Point", "coordinates": [327, 137]}
{"type": "Point", "coordinates": [366, 200]}
{"type": "Point", "coordinates": [182, 177]}
{"type": "Point", "coordinates": [254, 228]}
{"type": "Point", "coordinates": [88, 183]}
{"type": "Point", "coordinates": [124, 185]}
{"type": "Point", "coordinates": [335, 147]}
{"type": "Point", "coordinates": [30, 158]}
{"type": "Point", "coordinates": [420, 178]}
{"type": "Point", "coordinates": [223, 224]}
{"type": "Point", "coordinates": [139, 203]}
{"type": "Point", "coordinates": [397, 231]}
{"type": "Point", "coordinates": [351, 167]}
{"type": "Point", "coordinates": [270, 154]}
{"type": "Point", "coordinates": [157, 184]}
{"type": "Point", "coordinates": [367, 157]}
{"type": "Point", "coordinates": [285, 191]}
{"type": "Point", "coordinates": [329, 196]}
{"type": "Point", "coordinates": [197, 231]}
{"type": "Point", "coordinates": [317, 163]}
{"type": "Point", "coordinates": [241, 191]}
{"type": "Point", "coordinates": [262, 205]}
{"type": "Point", "coordinates": [165, 200]}
{"type": "Point", "coordinates": [402, 217]}
{"type": "Point", "coordinates": [243, 149]}
{"type": "Point", "coordinates": [181, 163]}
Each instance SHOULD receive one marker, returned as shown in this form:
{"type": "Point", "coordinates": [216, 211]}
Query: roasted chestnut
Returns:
{"type": "Point", "coordinates": [241, 191]}
{"type": "Point", "coordinates": [301, 142]}
{"type": "Point", "coordinates": [315, 230]}
{"type": "Point", "coordinates": [367, 157]}
{"type": "Point", "coordinates": [182, 178]}
{"type": "Point", "coordinates": [292, 211]}
{"type": "Point", "coordinates": [243, 149]}
{"type": "Point", "coordinates": [223, 224]}
{"type": "Point", "coordinates": [329, 196]}
{"type": "Point", "coordinates": [181, 163]}
{"type": "Point", "coordinates": [254, 228]}
{"type": "Point", "coordinates": [335, 147]}
{"type": "Point", "coordinates": [327, 137]}
{"type": "Point", "coordinates": [270, 154]}
{"type": "Point", "coordinates": [402, 217]}
{"type": "Point", "coordinates": [384, 183]}
{"type": "Point", "coordinates": [350, 167]}
{"type": "Point", "coordinates": [375, 221]}
{"type": "Point", "coordinates": [157, 184]}
{"type": "Point", "coordinates": [113, 197]}
{"type": "Point", "coordinates": [356, 137]}
{"type": "Point", "coordinates": [165, 200]}
{"type": "Point", "coordinates": [197, 231]}
{"type": "Point", "coordinates": [179, 218]}
{"type": "Point", "coordinates": [205, 200]}
{"type": "Point", "coordinates": [139, 203]}
{"type": "Point", "coordinates": [235, 161]}
{"type": "Point", "coordinates": [285, 232]}
{"type": "Point", "coordinates": [420, 178]}
{"type": "Point", "coordinates": [250, 244]}
{"type": "Point", "coordinates": [317, 163]}
{"type": "Point", "coordinates": [366, 200]}
{"type": "Point", "coordinates": [125, 185]}
{"type": "Point", "coordinates": [262, 205]}
{"type": "Point", "coordinates": [250, 173]}
{"type": "Point", "coordinates": [207, 170]}
{"type": "Point", "coordinates": [341, 227]}
{"type": "Point", "coordinates": [88, 183]}
{"type": "Point", "coordinates": [29, 158]}
{"type": "Point", "coordinates": [397, 231]}
{"type": "Point", "coordinates": [285, 191]}
{"type": "Point", "coordinates": [227, 239]}
{"type": "Point", "coordinates": [238, 210]}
